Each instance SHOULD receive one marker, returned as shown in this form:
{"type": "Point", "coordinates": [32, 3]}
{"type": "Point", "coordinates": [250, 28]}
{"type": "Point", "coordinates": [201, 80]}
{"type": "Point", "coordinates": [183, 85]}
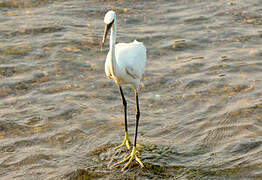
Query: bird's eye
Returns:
{"type": "Point", "coordinates": [110, 25]}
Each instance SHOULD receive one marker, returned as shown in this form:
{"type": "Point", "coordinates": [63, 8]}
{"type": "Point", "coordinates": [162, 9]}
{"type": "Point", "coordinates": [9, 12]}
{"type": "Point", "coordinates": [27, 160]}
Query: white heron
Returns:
{"type": "Point", "coordinates": [125, 63]}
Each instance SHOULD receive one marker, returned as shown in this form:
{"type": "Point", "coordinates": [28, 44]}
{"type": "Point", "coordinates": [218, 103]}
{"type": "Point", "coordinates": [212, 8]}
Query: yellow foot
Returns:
{"type": "Point", "coordinates": [130, 158]}
{"type": "Point", "coordinates": [125, 142]}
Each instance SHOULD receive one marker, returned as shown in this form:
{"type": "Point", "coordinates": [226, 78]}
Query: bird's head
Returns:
{"type": "Point", "coordinates": [109, 21]}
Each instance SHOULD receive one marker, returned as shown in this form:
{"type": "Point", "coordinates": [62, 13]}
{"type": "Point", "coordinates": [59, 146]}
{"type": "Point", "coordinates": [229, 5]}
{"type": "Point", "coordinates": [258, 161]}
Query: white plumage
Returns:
{"type": "Point", "coordinates": [125, 63]}
{"type": "Point", "coordinates": [127, 59]}
{"type": "Point", "coordinates": [130, 63]}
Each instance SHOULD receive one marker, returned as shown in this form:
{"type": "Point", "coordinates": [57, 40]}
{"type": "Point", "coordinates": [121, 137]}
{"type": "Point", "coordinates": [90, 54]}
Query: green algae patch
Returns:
{"type": "Point", "coordinates": [17, 49]}
{"type": "Point", "coordinates": [159, 161]}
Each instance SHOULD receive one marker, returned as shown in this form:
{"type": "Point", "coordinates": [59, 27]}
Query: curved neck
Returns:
{"type": "Point", "coordinates": [112, 48]}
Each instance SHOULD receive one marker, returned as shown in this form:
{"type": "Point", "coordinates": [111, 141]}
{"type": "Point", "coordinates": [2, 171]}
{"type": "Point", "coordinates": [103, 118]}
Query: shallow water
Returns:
{"type": "Point", "coordinates": [201, 107]}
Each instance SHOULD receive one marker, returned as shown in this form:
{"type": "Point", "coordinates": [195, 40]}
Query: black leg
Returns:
{"type": "Point", "coordinates": [134, 151]}
{"type": "Point", "coordinates": [137, 118]}
{"type": "Point", "coordinates": [125, 106]}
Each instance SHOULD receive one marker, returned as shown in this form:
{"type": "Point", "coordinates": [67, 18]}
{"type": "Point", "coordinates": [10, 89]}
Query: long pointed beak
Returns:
{"type": "Point", "coordinates": [104, 36]}
{"type": "Point", "coordinates": [107, 28]}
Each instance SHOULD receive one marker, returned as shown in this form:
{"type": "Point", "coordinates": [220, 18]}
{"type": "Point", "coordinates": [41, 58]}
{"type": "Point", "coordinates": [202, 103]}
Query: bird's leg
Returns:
{"type": "Point", "coordinates": [125, 142]}
{"type": "Point", "coordinates": [133, 154]}
{"type": "Point", "coordinates": [127, 139]}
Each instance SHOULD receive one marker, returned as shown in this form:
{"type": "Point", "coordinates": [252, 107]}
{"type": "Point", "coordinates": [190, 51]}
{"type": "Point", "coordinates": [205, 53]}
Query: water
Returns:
{"type": "Point", "coordinates": [201, 107]}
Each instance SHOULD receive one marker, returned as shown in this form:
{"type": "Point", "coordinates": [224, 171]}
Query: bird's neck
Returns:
{"type": "Point", "coordinates": [112, 49]}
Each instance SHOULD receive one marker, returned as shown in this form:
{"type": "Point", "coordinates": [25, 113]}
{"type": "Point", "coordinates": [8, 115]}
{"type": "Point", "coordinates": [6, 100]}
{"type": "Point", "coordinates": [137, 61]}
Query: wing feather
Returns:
{"type": "Point", "coordinates": [132, 58]}
{"type": "Point", "coordinates": [130, 71]}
